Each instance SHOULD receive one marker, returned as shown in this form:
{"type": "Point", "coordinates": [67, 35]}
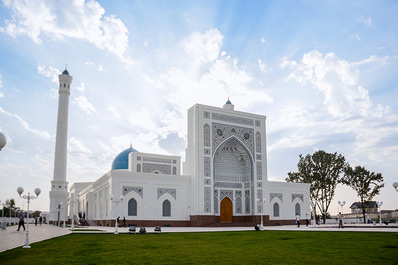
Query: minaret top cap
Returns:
{"type": "Point", "coordinates": [65, 72]}
{"type": "Point", "coordinates": [229, 105]}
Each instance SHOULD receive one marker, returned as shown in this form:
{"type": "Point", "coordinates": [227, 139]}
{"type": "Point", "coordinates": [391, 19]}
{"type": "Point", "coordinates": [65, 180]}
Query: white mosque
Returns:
{"type": "Point", "coordinates": [223, 181]}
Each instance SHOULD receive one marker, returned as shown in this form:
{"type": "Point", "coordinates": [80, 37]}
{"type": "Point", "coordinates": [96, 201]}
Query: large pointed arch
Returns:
{"type": "Point", "coordinates": [251, 159]}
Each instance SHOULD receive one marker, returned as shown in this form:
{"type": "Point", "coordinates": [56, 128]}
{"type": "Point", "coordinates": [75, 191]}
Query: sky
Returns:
{"type": "Point", "coordinates": [323, 72]}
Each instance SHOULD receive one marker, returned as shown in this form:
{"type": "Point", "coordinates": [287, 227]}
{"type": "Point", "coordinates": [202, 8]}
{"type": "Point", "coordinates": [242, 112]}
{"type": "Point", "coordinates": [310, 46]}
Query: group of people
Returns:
{"type": "Point", "coordinates": [307, 221]}
{"type": "Point", "coordinates": [118, 221]}
{"type": "Point", "coordinates": [22, 221]}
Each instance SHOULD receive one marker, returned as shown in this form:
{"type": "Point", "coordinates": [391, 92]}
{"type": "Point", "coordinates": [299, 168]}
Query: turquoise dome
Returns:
{"type": "Point", "coordinates": [121, 161]}
{"type": "Point", "coordinates": [65, 72]}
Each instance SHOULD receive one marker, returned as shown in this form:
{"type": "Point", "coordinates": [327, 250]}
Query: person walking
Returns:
{"type": "Point", "coordinates": [298, 220]}
{"type": "Point", "coordinates": [307, 219]}
{"type": "Point", "coordinates": [21, 222]}
{"type": "Point", "coordinates": [340, 217]}
{"type": "Point", "coordinates": [124, 221]}
{"type": "Point", "coordinates": [118, 221]}
{"type": "Point", "coordinates": [36, 219]}
{"type": "Point", "coordinates": [40, 220]}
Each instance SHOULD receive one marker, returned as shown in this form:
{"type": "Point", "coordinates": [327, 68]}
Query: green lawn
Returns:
{"type": "Point", "coordinates": [253, 247]}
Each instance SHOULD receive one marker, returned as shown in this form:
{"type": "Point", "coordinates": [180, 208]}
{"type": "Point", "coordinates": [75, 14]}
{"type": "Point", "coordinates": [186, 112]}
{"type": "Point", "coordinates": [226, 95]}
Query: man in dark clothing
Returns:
{"type": "Point", "coordinates": [21, 222]}
{"type": "Point", "coordinates": [124, 221]}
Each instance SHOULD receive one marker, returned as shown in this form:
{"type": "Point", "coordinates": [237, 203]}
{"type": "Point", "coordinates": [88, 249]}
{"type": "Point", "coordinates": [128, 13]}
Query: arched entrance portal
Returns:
{"type": "Point", "coordinates": [233, 175]}
{"type": "Point", "coordinates": [226, 210]}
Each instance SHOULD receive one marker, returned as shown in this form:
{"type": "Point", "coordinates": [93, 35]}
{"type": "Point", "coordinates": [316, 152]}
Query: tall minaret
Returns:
{"type": "Point", "coordinates": [59, 185]}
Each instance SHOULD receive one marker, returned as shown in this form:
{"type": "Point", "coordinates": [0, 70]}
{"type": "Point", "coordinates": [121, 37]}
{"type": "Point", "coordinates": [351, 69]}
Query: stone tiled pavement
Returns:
{"type": "Point", "coordinates": [10, 238]}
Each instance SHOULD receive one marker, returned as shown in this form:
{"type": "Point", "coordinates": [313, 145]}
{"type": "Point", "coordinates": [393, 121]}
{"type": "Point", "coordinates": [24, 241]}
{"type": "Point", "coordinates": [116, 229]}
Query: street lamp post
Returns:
{"type": "Point", "coordinates": [341, 203]}
{"type": "Point", "coordinates": [379, 204]}
{"type": "Point", "coordinates": [395, 185]}
{"type": "Point", "coordinates": [15, 215]}
{"type": "Point", "coordinates": [64, 217]}
{"type": "Point", "coordinates": [262, 211]}
{"type": "Point", "coordinates": [7, 203]}
{"type": "Point", "coordinates": [73, 201]}
{"type": "Point", "coordinates": [2, 217]}
{"type": "Point", "coordinates": [28, 197]}
{"type": "Point", "coordinates": [58, 211]}
{"type": "Point", "coordinates": [3, 140]}
{"type": "Point", "coordinates": [116, 201]}
{"type": "Point", "coordinates": [9, 220]}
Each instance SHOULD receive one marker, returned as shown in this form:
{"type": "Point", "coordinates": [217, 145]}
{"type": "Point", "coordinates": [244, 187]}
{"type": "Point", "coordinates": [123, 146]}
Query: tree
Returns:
{"type": "Point", "coordinates": [367, 184]}
{"type": "Point", "coordinates": [323, 171]}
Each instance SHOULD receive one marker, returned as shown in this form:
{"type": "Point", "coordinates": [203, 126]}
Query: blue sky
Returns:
{"type": "Point", "coordinates": [323, 72]}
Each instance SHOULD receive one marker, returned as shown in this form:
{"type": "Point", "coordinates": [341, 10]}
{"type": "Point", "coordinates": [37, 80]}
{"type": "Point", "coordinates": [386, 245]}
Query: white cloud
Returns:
{"type": "Point", "coordinates": [50, 72]}
{"type": "Point", "coordinates": [204, 47]}
{"type": "Point", "coordinates": [366, 21]}
{"type": "Point", "coordinates": [356, 36]}
{"type": "Point", "coordinates": [80, 88]}
{"type": "Point", "coordinates": [85, 105]}
{"type": "Point", "coordinates": [262, 66]}
{"type": "Point", "coordinates": [21, 122]}
{"type": "Point", "coordinates": [99, 66]}
{"type": "Point", "coordinates": [262, 40]}
{"type": "Point", "coordinates": [1, 86]}
{"type": "Point", "coordinates": [337, 79]}
{"type": "Point", "coordinates": [346, 119]}
{"type": "Point", "coordinates": [113, 110]}
{"type": "Point", "coordinates": [73, 19]}
{"type": "Point", "coordinates": [75, 146]}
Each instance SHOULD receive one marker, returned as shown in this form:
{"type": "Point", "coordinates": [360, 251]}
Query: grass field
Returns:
{"type": "Point", "coordinates": [253, 247]}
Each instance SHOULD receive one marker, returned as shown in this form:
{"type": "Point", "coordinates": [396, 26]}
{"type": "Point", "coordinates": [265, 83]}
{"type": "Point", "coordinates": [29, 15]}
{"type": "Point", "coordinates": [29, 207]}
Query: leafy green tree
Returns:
{"type": "Point", "coordinates": [367, 184]}
{"type": "Point", "coordinates": [323, 170]}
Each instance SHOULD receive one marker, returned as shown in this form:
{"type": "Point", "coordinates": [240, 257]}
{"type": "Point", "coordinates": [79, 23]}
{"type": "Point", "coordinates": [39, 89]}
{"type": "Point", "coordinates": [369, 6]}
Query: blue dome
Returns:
{"type": "Point", "coordinates": [121, 161]}
{"type": "Point", "coordinates": [65, 72]}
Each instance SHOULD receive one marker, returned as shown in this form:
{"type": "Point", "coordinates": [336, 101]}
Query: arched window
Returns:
{"type": "Point", "coordinates": [297, 209]}
{"type": "Point", "coordinates": [258, 142]}
{"type": "Point", "coordinates": [138, 167]}
{"type": "Point", "coordinates": [247, 205]}
{"type": "Point", "coordinates": [166, 208]}
{"type": "Point", "coordinates": [206, 135]}
{"type": "Point", "coordinates": [276, 209]}
{"type": "Point", "coordinates": [174, 171]}
{"type": "Point", "coordinates": [132, 207]}
{"type": "Point", "coordinates": [238, 205]}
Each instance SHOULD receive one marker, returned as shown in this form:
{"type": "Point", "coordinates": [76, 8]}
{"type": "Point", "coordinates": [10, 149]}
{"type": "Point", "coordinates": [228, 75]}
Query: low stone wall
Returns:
{"type": "Point", "coordinates": [201, 221]}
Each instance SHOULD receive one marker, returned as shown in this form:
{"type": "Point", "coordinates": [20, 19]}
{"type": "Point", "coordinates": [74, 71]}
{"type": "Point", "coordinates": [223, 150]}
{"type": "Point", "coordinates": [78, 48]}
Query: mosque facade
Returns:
{"type": "Point", "coordinates": [222, 182]}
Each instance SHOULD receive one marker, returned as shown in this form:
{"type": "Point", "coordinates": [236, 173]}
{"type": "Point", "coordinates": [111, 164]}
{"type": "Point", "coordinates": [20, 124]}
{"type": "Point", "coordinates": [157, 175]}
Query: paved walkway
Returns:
{"type": "Point", "coordinates": [10, 238]}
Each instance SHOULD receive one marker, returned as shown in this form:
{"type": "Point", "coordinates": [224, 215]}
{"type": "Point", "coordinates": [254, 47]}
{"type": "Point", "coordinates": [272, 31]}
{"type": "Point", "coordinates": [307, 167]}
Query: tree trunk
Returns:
{"type": "Point", "coordinates": [363, 211]}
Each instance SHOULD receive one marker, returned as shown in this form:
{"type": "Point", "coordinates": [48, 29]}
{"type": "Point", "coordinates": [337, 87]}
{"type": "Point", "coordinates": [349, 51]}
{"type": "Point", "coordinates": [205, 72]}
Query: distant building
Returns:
{"type": "Point", "coordinates": [370, 207]}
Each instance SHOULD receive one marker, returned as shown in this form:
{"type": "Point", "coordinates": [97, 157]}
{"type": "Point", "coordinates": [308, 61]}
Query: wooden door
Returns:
{"type": "Point", "coordinates": [226, 211]}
